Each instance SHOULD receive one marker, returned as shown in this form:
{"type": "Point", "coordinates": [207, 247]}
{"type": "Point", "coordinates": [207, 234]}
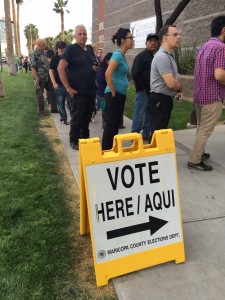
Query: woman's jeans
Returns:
{"type": "Point", "coordinates": [60, 94]}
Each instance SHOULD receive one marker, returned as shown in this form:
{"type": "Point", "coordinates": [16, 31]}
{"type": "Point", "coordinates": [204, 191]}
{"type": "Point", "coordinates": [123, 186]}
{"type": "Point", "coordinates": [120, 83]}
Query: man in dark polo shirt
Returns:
{"type": "Point", "coordinates": [77, 71]}
{"type": "Point", "coordinates": [164, 78]}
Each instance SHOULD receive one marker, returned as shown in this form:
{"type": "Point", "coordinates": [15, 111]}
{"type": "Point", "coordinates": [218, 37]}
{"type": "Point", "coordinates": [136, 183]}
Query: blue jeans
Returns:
{"type": "Point", "coordinates": [141, 120]}
{"type": "Point", "coordinates": [99, 101]}
{"type": "Point", "coordinates": [60, 98]}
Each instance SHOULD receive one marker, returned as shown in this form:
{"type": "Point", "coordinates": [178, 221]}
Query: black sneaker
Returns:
{"type": "Point", "coordinates": [205, 156]}
{"type": "Point", "coordinates": [74, 146]}
{"type": "Point", "coordinates": [200, 166]}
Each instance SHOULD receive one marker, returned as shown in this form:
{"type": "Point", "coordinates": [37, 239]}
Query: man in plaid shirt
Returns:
{"type": "Point", "coordinates": [209, 91]}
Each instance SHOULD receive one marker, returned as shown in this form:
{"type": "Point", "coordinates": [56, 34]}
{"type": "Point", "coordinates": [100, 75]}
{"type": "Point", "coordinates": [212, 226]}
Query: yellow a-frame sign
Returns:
{"type": "Point", "coordinates": [129, 202]}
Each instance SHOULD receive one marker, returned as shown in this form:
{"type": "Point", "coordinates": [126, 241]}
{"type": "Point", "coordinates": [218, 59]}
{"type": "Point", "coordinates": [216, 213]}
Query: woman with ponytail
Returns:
{"type": "Point", "coordinates": [117, 84]}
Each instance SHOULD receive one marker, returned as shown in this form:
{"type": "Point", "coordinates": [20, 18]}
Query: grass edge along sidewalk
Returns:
{"type": "Point", "coordinates": [42, 255]}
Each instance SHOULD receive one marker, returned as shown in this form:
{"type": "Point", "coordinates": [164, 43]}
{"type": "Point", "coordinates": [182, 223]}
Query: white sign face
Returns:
{"type": "Point", "coordinates": [134, 205]}
{"type": "Point", "coordinates": [140, 30]}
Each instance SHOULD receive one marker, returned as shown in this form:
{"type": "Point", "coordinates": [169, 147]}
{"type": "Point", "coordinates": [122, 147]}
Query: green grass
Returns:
{"type": "Point", "coordinates": [180, 115]}
{"type": "Point", "coordinates": [40, 247]}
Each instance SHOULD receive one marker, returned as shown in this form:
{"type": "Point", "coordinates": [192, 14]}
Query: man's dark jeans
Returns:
{"type": "Point", "coordinates": [81, 111]}
{"type": "Point", "coordinates": [160, 107]}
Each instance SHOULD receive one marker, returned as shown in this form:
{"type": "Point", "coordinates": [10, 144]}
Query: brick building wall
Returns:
{"type": "Point", "coordinates": [194, 21]}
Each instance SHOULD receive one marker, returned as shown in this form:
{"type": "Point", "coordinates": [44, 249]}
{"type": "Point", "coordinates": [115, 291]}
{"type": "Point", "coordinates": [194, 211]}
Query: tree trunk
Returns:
{"type": "Point", "coordinates": [9, 40]}
{"type": "Point", "coordinates": [31, 39]}
{"type": "Point", "coordinates": [15, 26]}
{"type": "Point", "coordinates": [177, 11]}
{"type": "Point", "coordinates": [62, 24]}
{"type": "Point", "coordinates": [158, 13]}
{"type": "Point", "coordinates": [18, 27]}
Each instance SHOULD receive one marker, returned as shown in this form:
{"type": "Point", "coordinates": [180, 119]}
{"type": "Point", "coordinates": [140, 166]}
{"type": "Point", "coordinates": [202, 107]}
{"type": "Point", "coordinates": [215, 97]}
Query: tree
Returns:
{"type": "Point", "coordinates": [68, 36]}
{"type": "Point", "coordinates": [50, 42]}
{"type": "Point", "coordinates": [15, 26]}
{"type": "Point", "coordinates": [9, 39]}
{"type": "Point", "coordinates": [175, 14]}
{"type": "Point", "coordinates": [31, 34]}
{"type": "Point", "coordinates": [18, 3]}
{"type": "Point", "coordinates": [58, 8]}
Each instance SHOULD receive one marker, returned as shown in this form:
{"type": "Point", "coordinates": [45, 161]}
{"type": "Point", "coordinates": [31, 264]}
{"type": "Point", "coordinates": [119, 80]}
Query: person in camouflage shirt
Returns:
{"type": "Point", "coordinates": [39, 68]}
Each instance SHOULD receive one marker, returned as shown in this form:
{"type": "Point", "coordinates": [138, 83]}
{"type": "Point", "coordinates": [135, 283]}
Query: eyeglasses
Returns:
{"type": "Point", "coordinates": [173, 34]}
{"type": "Point", "coordinates": [129, 37]}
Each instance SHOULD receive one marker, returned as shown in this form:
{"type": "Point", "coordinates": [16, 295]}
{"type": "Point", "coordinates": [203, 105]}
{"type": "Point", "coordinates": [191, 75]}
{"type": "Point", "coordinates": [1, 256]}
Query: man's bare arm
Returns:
{"type": "Point", "coordinates": [171, 82]}
{"type": "Point", "coordinates": [36, 78]}
{"type": "Point", "coordinates": [52, 77]}
{"type": "Point", "coordinates": [219, 75]}
{"type": "Point", "coordinates": [63, 77]}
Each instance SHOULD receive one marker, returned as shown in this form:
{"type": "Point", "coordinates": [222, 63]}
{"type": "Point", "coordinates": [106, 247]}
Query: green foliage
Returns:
{"type": "Point", "coordinates": [68, 36]}
{"type": "Point", "coordinates": [50, 42]}
{"type": "Point", "coordinates": [185, 59]}
{"type": "Point", "coordinates": [59, 5]}
{"type": "Point", "coordinates": [31, 34]}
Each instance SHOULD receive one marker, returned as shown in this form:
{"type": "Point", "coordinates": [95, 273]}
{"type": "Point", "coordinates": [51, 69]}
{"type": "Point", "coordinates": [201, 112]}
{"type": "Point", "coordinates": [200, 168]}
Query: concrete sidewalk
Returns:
{"type": "Point", "coordinates": [202, 196]}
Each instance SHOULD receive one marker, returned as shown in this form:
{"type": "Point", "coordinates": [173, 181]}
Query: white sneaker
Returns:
{"type": "Point", "coordinates": [189, 126]}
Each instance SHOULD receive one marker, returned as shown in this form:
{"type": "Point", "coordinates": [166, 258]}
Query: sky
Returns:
{"type": "Point", "coordinates": [48, 22]}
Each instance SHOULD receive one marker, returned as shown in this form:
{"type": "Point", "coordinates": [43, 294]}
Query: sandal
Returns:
{"type": "Point", "coordinates": [65, 122]}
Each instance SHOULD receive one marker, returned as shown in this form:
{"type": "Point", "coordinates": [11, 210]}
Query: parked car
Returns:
{"type": "Point", "coordinates": [4, 60]}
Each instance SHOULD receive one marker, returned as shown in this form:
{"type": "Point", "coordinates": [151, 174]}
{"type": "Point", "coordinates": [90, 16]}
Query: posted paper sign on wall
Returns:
{"type": "Point", "coordinates": [133, 205]}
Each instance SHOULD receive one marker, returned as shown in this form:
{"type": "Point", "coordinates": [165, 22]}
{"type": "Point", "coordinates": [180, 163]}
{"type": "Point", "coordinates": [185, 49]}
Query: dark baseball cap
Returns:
{"type": "Point", "coordinates": [60, 45]}
{"type": "Point", "coordinates": [151, 35]}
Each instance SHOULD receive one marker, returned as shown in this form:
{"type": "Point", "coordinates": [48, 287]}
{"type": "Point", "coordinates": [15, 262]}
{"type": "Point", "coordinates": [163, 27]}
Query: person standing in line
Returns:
{"type": "Point", "coordinates": [16, 62]}
{"type": "Point", "coordinates": [99, 57]}
{"type": "Point", "coordinates": [101, 84]}
{"type": "Point", "coordinates": [141, 73]}
{"type": "Point", "coordinates": [77, 72]}
{"type": "Point", "coordinates": [193, 118]}
{"type": "Point", "coordinates": [96, 63]}
{"type": "Point", "coordinates": [209, 91]}
{"type": "Point", "coordinates": [49, 53]}
{"type": "Point", "coordinates": [60, 90]}
{"type": "Point", "coordinates": [25, 64]}
{"type": "Point", "coordinates": [164, 81]}
{"type": "Point", "coordinates": [117, 84]}
{"type": "Point", "coordinates": [39, 69]}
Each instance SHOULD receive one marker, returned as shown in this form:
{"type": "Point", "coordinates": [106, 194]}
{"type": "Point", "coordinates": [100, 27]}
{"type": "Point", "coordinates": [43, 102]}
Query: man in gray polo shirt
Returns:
{"type": "Point", "coordinates": [164, 79]}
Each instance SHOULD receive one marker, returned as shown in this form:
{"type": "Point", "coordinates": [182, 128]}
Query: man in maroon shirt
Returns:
{"type": "Point", "coordinates": [209, 91]}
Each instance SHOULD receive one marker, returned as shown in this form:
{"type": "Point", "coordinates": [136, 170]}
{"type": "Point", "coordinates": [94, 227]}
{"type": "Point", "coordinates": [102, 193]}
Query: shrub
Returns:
{"type": "Point", "coordinates": [185, 59]}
